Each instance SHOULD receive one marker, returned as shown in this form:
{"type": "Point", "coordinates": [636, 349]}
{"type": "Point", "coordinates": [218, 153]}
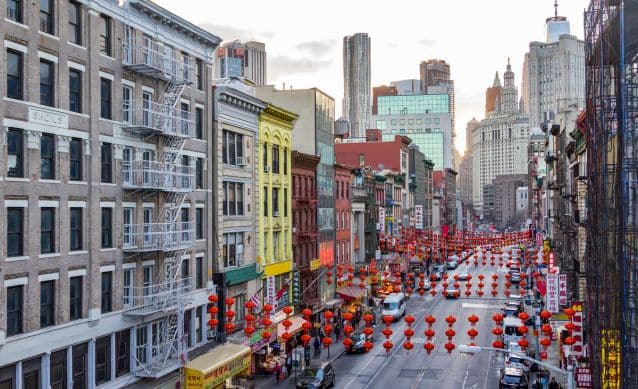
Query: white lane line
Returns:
{"type": "Point", "coordinates": [480, 306]}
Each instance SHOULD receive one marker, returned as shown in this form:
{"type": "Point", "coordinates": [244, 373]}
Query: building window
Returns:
{"type": "Point", "coordinates": [14, 10]}
{"type": "Point", "coordinates": [75, 159]}
{"type": "Point", "coordinates": [128, 287]}
{"type": "Point", "coordinates": [199, 123]}
{"type": "Point", "coordinates": [147, 281]}
{"type": "Point", "coordinates": [233, 252]}
{"type": "Point", "coordinates": [199, 173]}
{"type": "Point", "coordinates": [105, 35]}
{"type": "Point", "coordinates": [122, 352]}
{"type": "Point", "coordinates": [199, 273]}
{"type": "Point", "coordinates": [47, 304]}
{"type": "Point", "coordinates": [47, 230]}
{"type": "Point", "coordinates": [265, 203]}
{"type": "Point", "coordinates": [233, 148]}
{"type": "Point", "coordinates": [46, 83]}
{"type": "Point", "coordinates": [75, 26]}
{"type": "Point", "coordinates": [79, 366]}
{"type": "Point", "coordinates": [265, 158]}
{"type": "Point", "coordinates": [106, 163]}
{"type": "Point", "coordinates": [103, 360]}
{"type": "Point", "coordinates": [107, 291]}
{"type": "Point", "coordinates": [275, 159]}
{"type": "Point", "coordinates": [275, 202]}
{"type": "Point", "coordinates": [105, 98]}
{"type": "Point", "coordinates": [75, 229]}
{"type": "Point", "coordinates": [14, 310]}
{"type": "Point", "coordinates": [127, 109]}
{"type": "Point", "coordinates": [14, 75]}
{"type": "Point", "coordinates": [75, 298]}
{"type": "Point", "coordinates": [15, 151]}
{"type": "Point", "coordinates": [285, 160]}
{"type": "Point", "coordinates": [46, 16]}
{"type": "Point", "coordinates": [142, 343]}
{"type": "Point", "coordinates": [75, 90]}
{"type": "Point", "coordinates": [199, 223]}
{"type": "Point", "coordinates": [47, 157]}
{"type": "Point", "coordinates": [233, 199]}
{"type": "Point", "coordinates": [15, 232]}
{"type": "Point", "coordinates": [58, 369]}
{"type": "Point", "coordinates": [285, 202]}
{"type": "Point", "coordinates": [107, 227]}
{"type": "Point", "coordinates": [199, 73]}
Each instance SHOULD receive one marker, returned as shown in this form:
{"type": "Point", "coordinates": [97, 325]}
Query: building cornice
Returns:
{"type": "Point", "coordinates": [279, 116]}
{"type": "Point", "coordinates": [240, 100]}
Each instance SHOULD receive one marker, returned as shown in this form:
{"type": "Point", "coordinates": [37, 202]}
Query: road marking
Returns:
{"type": "Point", "coordinates": [479, 305]}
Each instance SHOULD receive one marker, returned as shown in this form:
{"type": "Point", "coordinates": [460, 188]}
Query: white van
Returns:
{"type": "Point", "coordinates": [510, 329]}
{"type": "Point", "coordinates": [394, 305]}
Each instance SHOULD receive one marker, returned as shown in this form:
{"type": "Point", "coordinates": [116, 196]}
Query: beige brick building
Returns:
{"type": "Point", "coordinates": [105, 188]}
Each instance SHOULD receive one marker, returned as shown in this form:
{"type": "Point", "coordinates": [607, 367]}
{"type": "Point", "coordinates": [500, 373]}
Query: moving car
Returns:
{"type": "Point", "coordinates": [394, 305]}
{"type": "Point", "coordinates": [317, 375]}
{"type": "Point", "coordinates": [438, 271]}
{"type": "Point", "coordinates": [513, 378]}
{"type": "Point", "coordinates": [464, 276]}
{"type": "Point", "coordinates": [452, 292]}
{"type": "Point", "coordinates": [514, 360]}
{"type": "Point", "coordinates": [515, 278]}
{"type": "Point", "coordinates": [452, 264]}
{"type": "Point", "coordinates": [358, 339]}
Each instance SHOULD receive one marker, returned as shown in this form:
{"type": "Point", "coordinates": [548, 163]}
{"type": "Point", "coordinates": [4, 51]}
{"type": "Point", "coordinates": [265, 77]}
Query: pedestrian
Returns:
{"type": "Point", "coordinates": [277, 371]}
{"type": "Point", "coordinates": [338, 331]}
{"type": "Point", "coordinates": [553, 384]}
{"type": "Point", "coordinates": [306, 355]}
{"type": "Point", "coordinates": [289, 364]}
{"type": "Point", "coordinates": [317, 345]}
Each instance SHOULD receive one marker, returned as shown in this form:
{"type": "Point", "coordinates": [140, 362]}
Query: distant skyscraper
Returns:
{"type": "Point", "coordinates": [408, 87]}
{"type": "Point", "coordinates": [357, 102]}
{"type": "Point", "coordinates": [248, 60]}
{"type": "Point", "coordinates": [553, 71]}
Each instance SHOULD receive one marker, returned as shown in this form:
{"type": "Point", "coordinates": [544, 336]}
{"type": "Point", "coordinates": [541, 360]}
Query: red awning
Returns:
{"type": "Point", "coordinates": [351, 292]}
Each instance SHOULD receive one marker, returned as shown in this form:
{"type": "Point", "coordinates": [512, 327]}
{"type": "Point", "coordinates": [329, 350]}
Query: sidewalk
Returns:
{"type": "Point", "coordinates": [269, 381]}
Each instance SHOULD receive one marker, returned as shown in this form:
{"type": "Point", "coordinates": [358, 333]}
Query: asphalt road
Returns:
{"type": "Point", "coordinates": [415, 369]}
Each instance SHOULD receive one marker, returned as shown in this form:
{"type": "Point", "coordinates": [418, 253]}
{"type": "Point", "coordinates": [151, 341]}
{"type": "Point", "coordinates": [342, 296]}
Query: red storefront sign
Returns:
{"type": "Point", "coordinates": [583, 377]}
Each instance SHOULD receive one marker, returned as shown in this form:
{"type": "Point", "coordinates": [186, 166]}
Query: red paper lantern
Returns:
{"type": "Point", "coordinates": [570, 340]}
{"type": "Point", "coordinates": [570, 326]}
{"type": "Point", "coordinates": [523, 330]}
{"type": "Point", "coordinates": [546, 329]}
{"type": "Point", "coordinates": [347, 342]}
{"type": "Point", "coordinates": [498, 318]}
{"type": "Point", "coordinates": [367, 345]}
{"type": "Point", "coordinates": [230, 301]}
{"type": "Point", "coordinates": [450, 320]}
{"type": "Point", "coordinates": [326, 342]}
{"type": "Point", "coordinates": [450, 333]}
{"type": "Point", "coordinates": [428, 347]}
{"type": "Point", "coordinates": [429, 333]}
{"type": "Point", "coordinates": [267, 307]}
{"type": "Point", "coordinates": [523, 316]}
{"type": "Point", "coordinates": [287, 310]}
{"type": "Point", "coordinates": [213, 323]}
{"type": "Point", "coordinates": [472, 333]}
{"type": "Point", "coordinates": [498, 331]}
{"type": "Point", "coordinates": [286, 336]}
{"type": "Point", "coordinates": [387, 332]}
{"type": "Point", "coordinates": [569, 312]}
{"type": "Point", "coordinates": [523, 343]}
{"type": "Point", "coordinates": [449, 346]}
{"type": "Point", "coordinates": [545, 342]}
{"type": "Point", "coordinates": [368, 318]}
{"type": "Point", "coordinates": [368, 331]}
{"type": "Point", "coordinates": [543, 355]}
{"type": "Point", "coordinates": [213, 298]}
{"type": "Point", "coordinates": [230, 314]}
{"type": "Point", "coordinates": [266, 335]}
{"type": "Point", "coordinates": [305, 339]}
{"type": "Point", "coordinates": [545, 315]}
{"type": "Point", "coordinates": [387, 345]}
{"type": "Point", "coordinates": [249, 305]}
{"type": "Point", "coordinates": [408, 345]}
{"type": "Point", "coordinates": [387, 319]}
{"type": "Point", "coordinates": [213, 310]}
{"type": "Point", "coordinates": [498, 344]}
{"type": "Point", "coordinates": [266, 322]}
{"type": "Point", "coordinates": [408, 332]}
{"type": "Point", "coordinates": [409, 319]}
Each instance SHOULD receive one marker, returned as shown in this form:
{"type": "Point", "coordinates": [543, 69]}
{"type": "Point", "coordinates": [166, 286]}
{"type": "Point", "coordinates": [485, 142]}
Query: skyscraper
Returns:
{"type": "Point", "coordinates": [236, 59]}
{"type": "Point", "coordinates": [356, 83]}
{"type": "Point", "coordinates": [553, 71]}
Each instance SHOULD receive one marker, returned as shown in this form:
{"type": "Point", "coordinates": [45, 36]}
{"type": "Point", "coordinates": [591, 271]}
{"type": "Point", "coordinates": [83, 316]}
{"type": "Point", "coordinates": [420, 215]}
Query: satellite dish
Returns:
{"type": "Point", "coordinates": [381, 167]}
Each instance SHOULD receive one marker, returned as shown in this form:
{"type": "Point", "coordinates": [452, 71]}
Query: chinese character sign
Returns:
{"type": "Point", "coordinates": [418, 217]}
{"type": "Point", "coordinates": [562, 289]}
{"type": "Point", "coordinates": [552, 293]}
{"type": "Point", "coordinates": [270, 291]}
{"type": "Point", "coordinates": [382, 220]}
{"type": "Point", "coordinates": [577, 319]}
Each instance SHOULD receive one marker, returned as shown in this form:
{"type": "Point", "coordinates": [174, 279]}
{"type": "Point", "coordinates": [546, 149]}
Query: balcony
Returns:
{"type": "Point", "coordinates": [358, 191]}
{"type": "Point", "coordinates": [147, 300]}
{"type": "Point", "coordinates": [158, 236]}
{"type": "Point", "coordinates": [152, 61]}
{"type": "Point", "coordinates": [148, 118]}
{"type": "Point", "coordinates": [151, 175]}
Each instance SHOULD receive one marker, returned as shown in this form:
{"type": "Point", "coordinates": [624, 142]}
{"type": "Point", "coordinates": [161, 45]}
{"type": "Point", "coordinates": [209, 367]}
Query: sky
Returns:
{"type": "Point", "coordinates": [304, 39]}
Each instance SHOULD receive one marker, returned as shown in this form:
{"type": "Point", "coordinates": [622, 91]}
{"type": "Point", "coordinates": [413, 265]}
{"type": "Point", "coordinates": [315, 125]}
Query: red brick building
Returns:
{"type": "Point", "coordinates": [343, 209]}
{"type": "Point", "coordinates": [392, 155]}
{"type": "Point", "coordinates": [304, 222]}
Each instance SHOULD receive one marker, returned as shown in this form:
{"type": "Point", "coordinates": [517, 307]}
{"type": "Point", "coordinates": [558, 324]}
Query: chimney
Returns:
{"type": "Point", "coordinates": [373, 135]}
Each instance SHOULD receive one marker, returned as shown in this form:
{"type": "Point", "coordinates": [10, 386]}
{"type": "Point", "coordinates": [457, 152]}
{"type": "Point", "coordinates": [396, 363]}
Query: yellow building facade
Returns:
{"type": "Point", "coordinates": [275, 213]}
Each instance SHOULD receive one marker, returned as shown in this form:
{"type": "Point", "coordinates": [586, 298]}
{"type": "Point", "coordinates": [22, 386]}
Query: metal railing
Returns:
{"type": "Point", "coordinates": [149, 59]}
{"type": "Point", "coordinates": [145, 300]}
{"type": "Point", "coordinates": [158, 236]}
{"type": "Point", "coordinates": [158, 176]}
{"type": "Point", "coordinates": [147, 116]}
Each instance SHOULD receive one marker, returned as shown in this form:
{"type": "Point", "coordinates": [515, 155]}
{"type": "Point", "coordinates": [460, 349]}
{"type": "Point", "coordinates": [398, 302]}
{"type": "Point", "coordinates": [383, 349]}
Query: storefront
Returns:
{"type": "Point", "coordinates": [263, 358]}
{"type": "Point", "coordinates": [217, 367]}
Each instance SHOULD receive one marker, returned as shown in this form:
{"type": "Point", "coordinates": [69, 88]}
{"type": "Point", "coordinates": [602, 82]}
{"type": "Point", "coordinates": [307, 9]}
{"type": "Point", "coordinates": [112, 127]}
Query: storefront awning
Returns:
{"type": "Point", "coordinates": [214, 367]}
{"type": "Point", "coordinates": [297, 322]}
{"type": "Point", "coordinates": [351, 292]}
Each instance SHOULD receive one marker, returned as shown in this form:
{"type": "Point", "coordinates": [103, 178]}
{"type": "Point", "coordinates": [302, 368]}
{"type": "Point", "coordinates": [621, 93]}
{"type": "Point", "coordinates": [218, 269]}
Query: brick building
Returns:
{"type": "Point", "coordinates": [304, 232]}
{"type": "Point", "coordinates": [343, 214]}
{"type": "Point", "coordinates": [105, 199]}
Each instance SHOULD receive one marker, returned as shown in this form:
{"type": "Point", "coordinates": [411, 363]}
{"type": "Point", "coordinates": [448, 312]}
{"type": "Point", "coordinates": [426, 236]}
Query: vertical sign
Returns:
{"type": "Point", "coordinates": [418, 216]}
{"type": "Point", "coordinates": [382, 220]}
{"type": "Point", "coordinates": [270, 292]}
{"type": "Point", "coordinates": [552, 293]}
{"type": "Point", "coordinates": [577, 319]}
{"type": "Point", "coordinates": [296, 287]}
{"type": "Point", "coordinates": [562, 289]}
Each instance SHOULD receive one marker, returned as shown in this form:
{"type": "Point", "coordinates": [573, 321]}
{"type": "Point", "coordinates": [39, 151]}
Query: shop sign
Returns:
{"type": "Point", "coordinates": [610, 358]}
{"type": "Point", "coordinates": [296, 287]}
{"type": "Point", "coordinates": [552, 293]}
{"type": "Point", "coordinates": [562, 289]}
{"type": "Point", "coordinates": [418, 216]}
{"type": "Point", "coordinates": [583, 377]}
{"type": "Point", "coordinates": [257, 342]}
{"type": "Point", "coordinates": [315, 264]}
{"type": "Point", "coordinates": [382, 220]}
{"type": "Point", "coordinates": [195, 379]}
{"type": "Point", "coordinates": [577, 319]}
{"type": "Point", "coordinates": [270, 290]}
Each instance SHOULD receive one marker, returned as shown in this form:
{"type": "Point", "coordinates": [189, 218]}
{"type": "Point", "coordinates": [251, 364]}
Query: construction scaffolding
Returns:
{"type": "Point", "coordinates": [611, 38]}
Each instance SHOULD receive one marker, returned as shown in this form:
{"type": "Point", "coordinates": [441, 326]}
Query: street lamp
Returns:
{"type": "Point", "coordinates": [569, 373]}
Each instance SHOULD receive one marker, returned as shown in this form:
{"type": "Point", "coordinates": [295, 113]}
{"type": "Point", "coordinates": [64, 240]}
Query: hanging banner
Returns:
{"type": "Point", "coordinates": [562, 289]}
{"type": "Point", "coordinates": [382, 220]}
{"type": "Point", "coordinates": [270, 290]}
{"type": "Point", "coordinates": [552, 293]}
{"type": "Point", "coordinates": [418, 216]}
{"type": "Point", "coordinates": [577, 333]}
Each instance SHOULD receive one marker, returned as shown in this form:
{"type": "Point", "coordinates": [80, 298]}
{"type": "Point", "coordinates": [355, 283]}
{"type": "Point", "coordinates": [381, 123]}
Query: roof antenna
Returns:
{"type": "Point", "coordinates": [556, 8]}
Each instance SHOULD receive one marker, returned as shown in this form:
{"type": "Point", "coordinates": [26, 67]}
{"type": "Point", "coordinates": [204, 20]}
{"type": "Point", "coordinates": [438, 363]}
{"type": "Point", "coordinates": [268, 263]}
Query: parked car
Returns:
{"type": "Point", "coordinates": [452, 292]}
{"type": "Point", "coordinates": [317, 375]}
{"type": "Point", "coordinates": [513, 378]}
{"type": "Point", "coordinates": [515, 278]}
{"type": "Point", "coordinates": [358, 339]}
{"type": "Point", "coordinates": [452, 264]}
{"type": "Point", "coordinates": [427, 285]}
{"type": "Point", "coordinates": [464, 276]}
{"type": "Point", "coordinates": [438, 271]}
{"type": "Point", "coordinates": [513, 360]}
{"type": "Point", "coordinates": [394, 305]}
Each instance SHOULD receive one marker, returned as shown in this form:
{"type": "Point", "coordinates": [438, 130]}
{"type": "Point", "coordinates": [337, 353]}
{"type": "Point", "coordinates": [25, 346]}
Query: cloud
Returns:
{"type": "Point", "coordinates": [281, 66]}
{"type": "Point", "coordinates": [230, 33]}
{"type": "Point", "coordinates": [391, 44]}
{"type": "Point", "coordinates": [318, 48]}
{"type": "Point", "coordinates": [427, 42]}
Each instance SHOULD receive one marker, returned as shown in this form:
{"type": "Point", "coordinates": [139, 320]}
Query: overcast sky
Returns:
{"type": "Point", "coordinates": [304, 39]}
